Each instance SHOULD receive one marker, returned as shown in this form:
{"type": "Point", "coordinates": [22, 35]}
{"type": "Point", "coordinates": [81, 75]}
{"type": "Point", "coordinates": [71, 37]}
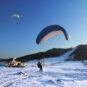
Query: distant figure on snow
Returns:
{"type": "Point", "coordinates": [39, 64]}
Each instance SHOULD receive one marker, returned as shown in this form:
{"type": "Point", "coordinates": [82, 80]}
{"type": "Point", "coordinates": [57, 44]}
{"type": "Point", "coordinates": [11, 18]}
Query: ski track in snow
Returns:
{"type": "Point", "coordinates": [64, 74]}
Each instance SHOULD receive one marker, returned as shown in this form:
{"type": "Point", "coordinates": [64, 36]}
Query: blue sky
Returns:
{"type": "Point", "coordinates": [20, 39]}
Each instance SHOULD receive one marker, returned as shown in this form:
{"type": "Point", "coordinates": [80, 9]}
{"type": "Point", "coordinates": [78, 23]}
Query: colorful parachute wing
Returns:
{"type": "Point", "coordinates": [51, 31]}
{"type": "Point", "coordinates": [15, 15]}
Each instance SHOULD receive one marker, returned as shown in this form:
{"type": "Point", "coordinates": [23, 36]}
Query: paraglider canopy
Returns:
{"type": "Point", "coordinates": [51, 31]}
{"type": "Point", "coordinates": [15, 15]}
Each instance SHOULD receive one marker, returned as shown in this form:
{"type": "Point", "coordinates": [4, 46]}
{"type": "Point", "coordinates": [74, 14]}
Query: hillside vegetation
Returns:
{"type": "Point", "coordinates": [80, 53]}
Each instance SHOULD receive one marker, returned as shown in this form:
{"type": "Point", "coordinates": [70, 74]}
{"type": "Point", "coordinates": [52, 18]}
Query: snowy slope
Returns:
{"type": "Point", "coordinates": [64, 74]}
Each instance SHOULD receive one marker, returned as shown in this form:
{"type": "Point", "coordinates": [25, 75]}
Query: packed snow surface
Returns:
{"type": "Point", "coordinates": [55, 74]}
{"type": "Point", "coordinates": [65, 74]}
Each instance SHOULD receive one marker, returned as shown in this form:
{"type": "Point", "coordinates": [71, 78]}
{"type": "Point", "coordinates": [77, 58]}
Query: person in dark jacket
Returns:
{"type": "Point", "coordinates": [39, 64]}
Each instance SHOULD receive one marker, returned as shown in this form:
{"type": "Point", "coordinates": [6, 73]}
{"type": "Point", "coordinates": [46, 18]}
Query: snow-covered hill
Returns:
{"type": "Point", "coordinates": [56, 73]}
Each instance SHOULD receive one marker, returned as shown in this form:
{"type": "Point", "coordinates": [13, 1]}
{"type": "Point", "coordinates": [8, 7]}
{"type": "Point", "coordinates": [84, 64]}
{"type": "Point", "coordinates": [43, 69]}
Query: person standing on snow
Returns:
{"type": "Point", "coordinates": [39, 64]}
